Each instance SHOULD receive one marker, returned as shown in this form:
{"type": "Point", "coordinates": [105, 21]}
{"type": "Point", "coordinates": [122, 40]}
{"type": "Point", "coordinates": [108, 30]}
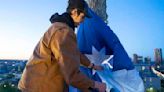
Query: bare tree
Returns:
{"type": "Point", "coordinates": [99, 7]}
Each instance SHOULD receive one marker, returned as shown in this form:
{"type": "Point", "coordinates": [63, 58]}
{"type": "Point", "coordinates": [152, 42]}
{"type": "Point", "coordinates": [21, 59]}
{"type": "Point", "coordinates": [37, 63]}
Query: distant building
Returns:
{"type": "Point", "coordinates": [149, 78]}
{"type": "Point", "coordinates": [135, 56]}
{"type": "Point", "coordinates": [147, 60]}
{"type": "Point", "coordinates": [137, 59]}
{"type": "Point", "coordinates": [161, 69]}
{"type": "Point", "coordinates": [158, 56]}
{"type": "Point", "coordinates": [3, 68]}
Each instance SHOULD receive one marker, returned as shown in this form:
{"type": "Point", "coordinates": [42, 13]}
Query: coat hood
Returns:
{"type": "Point", "coordinates": [64, 18]}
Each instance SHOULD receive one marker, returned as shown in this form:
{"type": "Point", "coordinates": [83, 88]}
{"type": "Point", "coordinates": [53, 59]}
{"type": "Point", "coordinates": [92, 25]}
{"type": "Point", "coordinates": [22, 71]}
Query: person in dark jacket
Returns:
{"type": "Point", "coordinates": [56, 59]}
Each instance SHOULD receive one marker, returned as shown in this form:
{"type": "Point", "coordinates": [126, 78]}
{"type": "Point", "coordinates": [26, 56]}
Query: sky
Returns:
{"type": "Point", "coordinates": [139, 24]}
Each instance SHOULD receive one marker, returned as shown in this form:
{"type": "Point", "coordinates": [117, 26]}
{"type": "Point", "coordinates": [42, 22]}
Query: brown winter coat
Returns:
{"type": "Point", "coordinates": [55, 63]}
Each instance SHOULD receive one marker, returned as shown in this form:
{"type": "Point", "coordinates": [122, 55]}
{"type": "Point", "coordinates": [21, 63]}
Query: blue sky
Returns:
{"type": "Point", "coordinates": [139, 24]}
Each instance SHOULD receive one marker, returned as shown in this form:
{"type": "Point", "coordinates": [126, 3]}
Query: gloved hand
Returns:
{"type": "Point", "coordinates": [97, 67]}
{"type": "Point", "coordinates": [101, 87]}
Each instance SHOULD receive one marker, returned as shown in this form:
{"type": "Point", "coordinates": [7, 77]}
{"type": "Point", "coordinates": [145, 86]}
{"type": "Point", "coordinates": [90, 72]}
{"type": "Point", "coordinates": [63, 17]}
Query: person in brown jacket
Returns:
{"type": "Point", "coordinates": [56, 59]}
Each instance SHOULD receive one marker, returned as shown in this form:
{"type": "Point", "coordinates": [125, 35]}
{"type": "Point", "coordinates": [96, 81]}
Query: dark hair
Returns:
{"type": "Point", "coordinates": [76, 4]}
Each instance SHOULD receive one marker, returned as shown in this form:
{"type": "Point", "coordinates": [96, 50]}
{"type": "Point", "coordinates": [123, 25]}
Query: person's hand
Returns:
{"type": "Point", "coordinates": [97, 67]}
{"type": "Point", "coordinates": [101, 87]}
{"type": "Point", "coordinates": [158, 73]}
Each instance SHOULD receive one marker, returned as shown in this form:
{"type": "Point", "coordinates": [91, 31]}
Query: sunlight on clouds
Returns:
{"type": "Point", "coordinates": [17, 49]}
{"type": "Point", "coordinates": [15, 43]}
{"type": "Point", "coordinates": [18, 39]}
